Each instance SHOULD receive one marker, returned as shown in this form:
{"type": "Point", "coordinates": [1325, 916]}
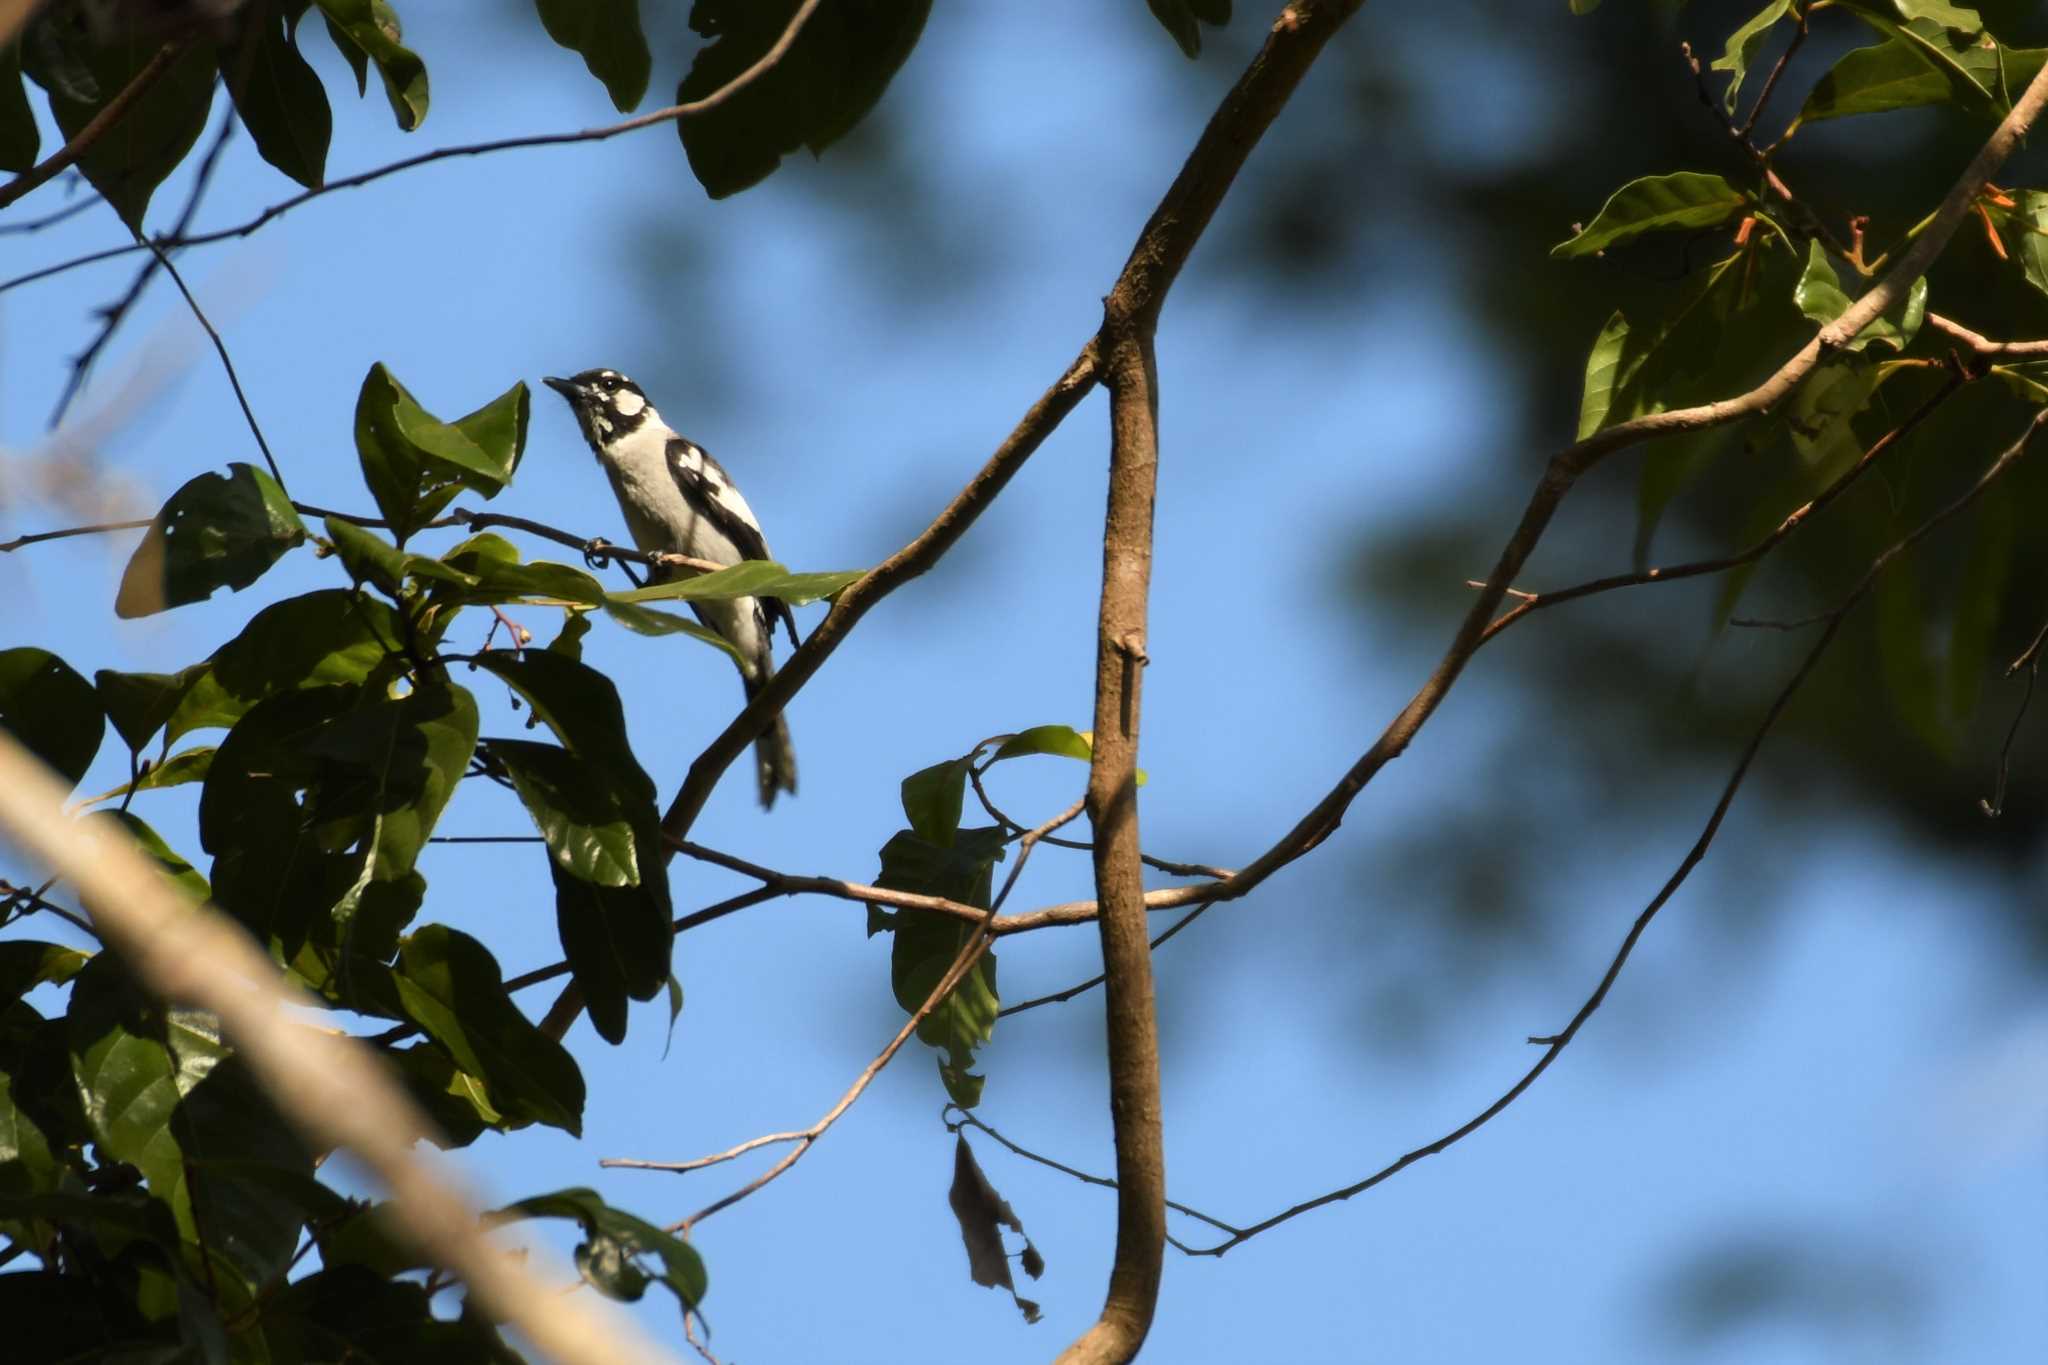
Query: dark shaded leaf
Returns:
{"type": "Point", "coordinates": [279, 97]}
{"type": "Point", "coordinates": [451, 987]}
{"type": "Point", "coordinates": [926, 942]}
{"type": "Point", "coordinates": [1656, 203]}
{"type": "Point", "coordinates": [983, 1214]}
{"type": "Point", "coordinates": [319, 639]}
{"type": "Point", "coordinates": [373, 1237]}
{"type": "Point", "coordinates": [585, 818]}
{"type": "Point", "coordinates": [458, 1102]}
{"type": "Point", "coordinates": [139, 703]}
{"type": "Point", "coordinates": [933, 798]}
{"type": "Point", "coordinates": [612, 1239]}
{"type": "Point", "coordinates": [214, 532]}
{"type": "Point", "coordinates": [580, 705]}
{"type": "Point", "coordinates": [368, 31]}
{"type": "Point", "coordinates": [20, 139]}
{"type": "Point", "coordinates": [568, 642]}
{"type": "Point", "coordinates": [826, 82]}
{"type": "Point", "coordinates": [52, 711]}
{"type": "Point", "coordinates": [607, 34]}
{"type": "Point", "coordinates": [181, 873]}
{"type": "Point", "coordinates": [617, 939]}
{"type": "Point", "coordinates": [132, 157]}
{"type": "Point", "coordinates": [25, 964]}
{"type": "Point", "coordinates": [350, 1313]}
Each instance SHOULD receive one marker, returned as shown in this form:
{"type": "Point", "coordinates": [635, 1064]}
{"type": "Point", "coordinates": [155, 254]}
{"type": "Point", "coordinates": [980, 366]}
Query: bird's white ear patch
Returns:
{"type": "Point", "coordinates": [629, 403]}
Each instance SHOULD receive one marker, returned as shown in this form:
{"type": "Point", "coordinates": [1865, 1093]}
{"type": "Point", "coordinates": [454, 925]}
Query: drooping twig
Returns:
{"type": "Point", "coordinates": [110, 114]}
{"type": "Point", "coordinates": [68, 212]}
{"type": "Point", "coordinates": [226, 362]}
{"type": "Point", "coordinates": [112, 316]}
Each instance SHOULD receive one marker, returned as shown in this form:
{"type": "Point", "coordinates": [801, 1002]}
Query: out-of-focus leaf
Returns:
{"type": "Point", "coordinates": [825, 83]}
{"type": "Point", "coordinates": [1743, 44]}
{"type": "Point", "coordinates": [451, 987]}
{"type": "Point", "coordinates": [1183, 19]}
{"type": "Point", "coordinates": [983, 1214]}
{"type": "Point", "coordinates": [351, 1313]}
{"type": "Point", "coordinates": [174, 867]}
{"type": "Point", "coordinates": [1656, 203]}
{"type": "Point", "coordinates": [278, 95]}
{"type": "Point", "coordinates": [1980, 600]}
{"type": "Point", "coordinates": [1908, 668]}
{"type": "Point", "coordinates": [319, 639]}
{"type": "Point", "coordinates": [607, 34]}
{"type": "Point", "coordinates": [214, 532]}
{"type": "Point", "coordinates": [20, 140]}
{"type": "Point", "coordinates": [50, 710]}
{"type": "Point", "coordinates": [754, 578]}
{"type": "Point", "coordinates": [612, 1239]}
{"type": "Point", "coordinates": [1820, 296]}
{"type": "Point", "coordinates": [133, 156]}
{"type": "Point", "coordinates": [1061, 741]}
{"type": "Point", "coordinates": [368, 31]}
{"type": "Point", "coordinates": [458, 1102]}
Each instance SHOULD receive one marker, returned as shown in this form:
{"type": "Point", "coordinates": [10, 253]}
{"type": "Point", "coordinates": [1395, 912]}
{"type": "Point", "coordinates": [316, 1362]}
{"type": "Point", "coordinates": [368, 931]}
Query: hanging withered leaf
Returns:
{"type": "Point", "coordinates": [983, 1214]}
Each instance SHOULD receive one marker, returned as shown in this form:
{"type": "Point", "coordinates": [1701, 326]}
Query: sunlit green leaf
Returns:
{"type": "Point", "coordinates": [50, 710]}
{"type": "Point", "coordinates": [1743, 45]}
{"type": "Point", "coordinates": [1819, 296]}
{"type": "Point", "coordinates": [1657, 203]}
{"type": "Point", "coordinates": [214, 532]}
{"type": "Point", "coordinates": [754, 578]}
{"type": "Point", "coordinates": [367, 31]}
{"type": "Point", "coordinates": [415, 464]}
{"type": "Point", "coordinates": [1921, 63]}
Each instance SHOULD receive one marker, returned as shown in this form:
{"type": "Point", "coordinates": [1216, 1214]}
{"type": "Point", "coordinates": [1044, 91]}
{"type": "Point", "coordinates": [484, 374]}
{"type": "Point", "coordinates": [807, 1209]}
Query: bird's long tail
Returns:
{"type": "Point", "coordinates": [774, 756]}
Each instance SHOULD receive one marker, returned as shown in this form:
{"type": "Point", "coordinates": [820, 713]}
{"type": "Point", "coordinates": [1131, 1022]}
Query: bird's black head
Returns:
{"type": "Point", "coordinates": [606, 403]}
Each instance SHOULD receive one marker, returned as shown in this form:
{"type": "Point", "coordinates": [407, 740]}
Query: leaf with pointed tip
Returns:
{"type": "Point", "coordinates": [827, 80]}
{"type": "Point", "coordinates": [1183, 19]}
{"type": "Point", "coordinates": [50, 710]}
{"type": "Point", "coordinates": [318, 639]}
{"type": "Point", "coordinates": [216, 531]}
{"type": "Point", "coordinates": [1678, 202]}
{"type": "Point", "coordinates": [1743, 44]}
{"type": "Point", "coordinates": [20, 140]}
{"type": "Point", "coordinates": [278, 95]}
{"type": "Point", "coordinates": [414, 463]}
{"type": "Point", "coordinates": [607, 35]}
{"type": "Point", "coordinates": [1921, 63]}
{"type": "Point", "coordinates": [139, 703]}
{"type": "Point", "coordinates": [368, 31]}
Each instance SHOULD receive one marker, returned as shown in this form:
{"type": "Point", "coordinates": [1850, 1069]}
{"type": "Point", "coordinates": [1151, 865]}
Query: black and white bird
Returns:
{"type": "Point", "coordinates": [678, 500]}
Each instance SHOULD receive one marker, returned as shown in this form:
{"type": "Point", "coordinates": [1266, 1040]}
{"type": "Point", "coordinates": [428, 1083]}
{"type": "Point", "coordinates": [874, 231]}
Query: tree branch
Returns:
{"type": "Point", "coordinates": [115, 110]}
{"type": "Point", "coordinates": [331, 1088]}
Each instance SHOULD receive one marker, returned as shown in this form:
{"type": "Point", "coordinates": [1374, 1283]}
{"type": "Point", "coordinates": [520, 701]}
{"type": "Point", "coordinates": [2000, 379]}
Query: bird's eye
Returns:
{"type": "Point", "coordinates": [611, 383]}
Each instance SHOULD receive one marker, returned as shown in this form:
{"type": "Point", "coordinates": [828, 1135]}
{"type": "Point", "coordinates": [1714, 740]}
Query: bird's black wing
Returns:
{"type": "Point", "coordinates": [704, 483]}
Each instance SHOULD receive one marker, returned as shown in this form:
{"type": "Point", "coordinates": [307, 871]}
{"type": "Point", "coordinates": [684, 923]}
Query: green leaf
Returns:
{"type": "Point", "coordinates": [1713, 340]}
{"type": "Point", "coordinates": [926, 943]}
{"type": "Point", "coordinates": [415, 464]}
{"type": "Point", "coordinates": [1743, 44]}
{"type": "Point", "coordinates": [214, 532]}
{"type": "Point", "coordinates": [26, 964]}
{"type": "Point", "coordinates": [319, 639]}
{"type": "Point", "coordinates": [580, 705]}
{"type": "Point", "coordinates": [612, 1238]}
{"type": "Point", "coordinates": [493, 565]}
{"type": "Point", "coordinates": [607, 34]}
{"type": "Point", "coordinates": [50, 710]}
{"type": "Point", "coordinates": [647, 621]}
{"type": "Point", "coordinates": [1179, 18]}
{"type": "Point", "coordinates": [1822, 416]}
{"type": "Point", "coordinates": [367, 31]}
{"type": "Point", "coordinates": [369, 558]}
{"type": "Point", "coordinates": [20, 140]}
{"type": "Point", "coordinates": [1584, 6]}
{"type": "Point", "coordinates": [824, 84]}
{"type": "Point", "coordinates": [752, 578]}
{"type": "Point", "coordinates": [139, 703]}
{"type": "Point", "coordinates": [2026, 232]}
{"type": "Point", "coordinates": [279, 97]}
{"type": "Point", "coordinates": [1656, 203]}
{"type": "Point", "coordinates": [179, 872]}
{"type": "Point", "coordinates": [2028, 379]}
{"type": "Point", "coordinates": [1819, 296]}
{"type": "Point", "coordinates": [1921, 63]}
{"type": "Point", "coordinates": [1956, 17]}
{"type": "Point", "coordinates": [569, 642]}
{"type": "Point", "coordinates": [1061, 741]}
{"type": "Point", "coordinates": [458, 1102]}
{"type": "Point", "coordinates": [134, 155]}
{"type": "Point", "coordinates": [451, 987]}
{"type": "Point", "coordinates": [932, 800]}
{"type": "Point", "coordinates": [611, 886]}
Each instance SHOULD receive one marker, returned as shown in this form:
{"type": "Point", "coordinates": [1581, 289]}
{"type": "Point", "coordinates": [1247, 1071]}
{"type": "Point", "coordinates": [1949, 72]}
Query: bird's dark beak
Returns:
{"type": "Point", "coordinates": [569, 389]}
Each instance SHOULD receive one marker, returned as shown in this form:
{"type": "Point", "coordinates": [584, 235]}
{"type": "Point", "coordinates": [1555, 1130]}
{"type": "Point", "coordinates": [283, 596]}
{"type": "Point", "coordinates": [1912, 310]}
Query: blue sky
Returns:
{"type": "Point", "coordinates": [1856, 1085]}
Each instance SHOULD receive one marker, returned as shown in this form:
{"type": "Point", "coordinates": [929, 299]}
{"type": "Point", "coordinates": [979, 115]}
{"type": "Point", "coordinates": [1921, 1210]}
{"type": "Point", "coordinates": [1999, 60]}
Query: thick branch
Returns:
{"type": "Point", "coordinates": [331, 1088]}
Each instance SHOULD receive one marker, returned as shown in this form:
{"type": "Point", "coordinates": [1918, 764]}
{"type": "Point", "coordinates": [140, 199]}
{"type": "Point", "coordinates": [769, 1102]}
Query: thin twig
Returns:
{"type": "Point", "coordinates": [1763, 96]}
{"type": "Point", "coordinates": [1535, 601]}
{"type": "Point", "coordinates": [226, 363]}
{"type": "Point", "coordinates": [98, 528]}
{"type": "Point", "coordinates": [113, 315]}
{"type": "Point", "coordinates": [1984, 345]}
{"type": "Point", "coordinates": [112, 113]}
{"type": "Point", "coordinates": [65, 214]}
{"type": "Point", "coordinates": [1015, 829]}
{"type": "Point", "coordinates": [1061, 997]}
{"type": "Point", "coordinates": [671, 114]}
